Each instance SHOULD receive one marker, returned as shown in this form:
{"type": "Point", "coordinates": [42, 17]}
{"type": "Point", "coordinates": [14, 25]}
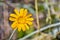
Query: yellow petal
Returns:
{"type": "Point", "coordinates": [29, 15]}
{"type": "Point", "coordinates": [19, 27]}
{"type": "Point", "coordinates": [30, 19]}
{"type": "Point", "coordinates": [21, 12]}
{"type": "Point", "coordinates": [13, 25]}
{"type": "Point", "coordinates": [29, 22]}
{"type": "Point", "coordinates": [16, 11]}
{"type": "Point", "coordinates": [27, 27]}
{"type": "Point", "coordinates": [23, 27]}
{"type": "Point", "coordinates": [25, 12]}
{"type": "Point", "coordinates": [12, 19]}
{"type": "Point", "coordinates": [13, 15]}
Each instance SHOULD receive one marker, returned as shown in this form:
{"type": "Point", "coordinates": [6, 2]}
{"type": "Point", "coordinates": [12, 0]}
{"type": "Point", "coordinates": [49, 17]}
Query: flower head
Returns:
{"type": "Point", "coordinates": [21, 19]}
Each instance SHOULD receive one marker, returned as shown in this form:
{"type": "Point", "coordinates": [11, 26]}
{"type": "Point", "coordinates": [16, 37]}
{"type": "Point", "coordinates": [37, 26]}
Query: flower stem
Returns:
{"type": "Point", "coordinates": [12, 34]}
{"type": "Point", "coordinates": [49, 15]}
{"type": "Point", "coordinates": [36, 7]}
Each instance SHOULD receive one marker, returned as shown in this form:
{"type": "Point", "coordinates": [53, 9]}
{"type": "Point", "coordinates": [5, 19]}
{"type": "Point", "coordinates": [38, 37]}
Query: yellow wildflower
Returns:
{"type": "Point", "coordinates": [21, 19]}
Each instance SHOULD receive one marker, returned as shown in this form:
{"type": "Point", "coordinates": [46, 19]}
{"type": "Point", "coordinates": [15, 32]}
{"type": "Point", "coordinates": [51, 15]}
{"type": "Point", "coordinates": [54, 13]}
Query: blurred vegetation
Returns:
{"type": "Point", "coordinates": [42, 20]}
{"type": "Point", "coordinates": [1, 0]}
{"type": "Point", "coordinates": [41, 8]}
{"type": "Point", "coordinates": [56, 8]}
{"type": "Point", "coordinates": [21, 33]}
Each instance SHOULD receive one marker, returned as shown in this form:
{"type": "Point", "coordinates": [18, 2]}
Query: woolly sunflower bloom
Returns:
{"type": "Point", "coordinates": [21, 19]}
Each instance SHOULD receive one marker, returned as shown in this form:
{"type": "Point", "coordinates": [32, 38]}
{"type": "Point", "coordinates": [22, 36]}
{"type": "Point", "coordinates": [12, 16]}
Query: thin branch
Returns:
{"type": "Point", "coordinates": [46, 27]}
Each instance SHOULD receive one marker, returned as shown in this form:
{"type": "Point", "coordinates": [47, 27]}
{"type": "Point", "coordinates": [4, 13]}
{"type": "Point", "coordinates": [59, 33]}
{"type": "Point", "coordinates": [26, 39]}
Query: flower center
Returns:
{"type": "Point", "coordinates": [21, 19]}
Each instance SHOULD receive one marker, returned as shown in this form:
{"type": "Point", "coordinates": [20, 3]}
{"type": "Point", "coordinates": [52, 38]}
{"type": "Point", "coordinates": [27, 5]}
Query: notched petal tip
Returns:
{"type": "Point", "coordinates": [13, 15]}
{"type": "Point", "coordinates": [12, 19]}
{"type": "Point", "coordinates": [13, 25]}
{"type": "Point", "coordinates": [16, 11]}
{"type": "Point", "coordinates": [30, 19]}
{"type": "Point", "coordinates": [27, 27]}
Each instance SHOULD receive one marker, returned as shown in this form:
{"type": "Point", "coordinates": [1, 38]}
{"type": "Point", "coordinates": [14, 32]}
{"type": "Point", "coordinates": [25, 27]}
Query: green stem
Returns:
{"type": "Point", "coordinates": [42, 29]}
{"type": "Point", "coordinates": [49, 15]}
{"type": "Point", "coordinates": [36, 7]}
